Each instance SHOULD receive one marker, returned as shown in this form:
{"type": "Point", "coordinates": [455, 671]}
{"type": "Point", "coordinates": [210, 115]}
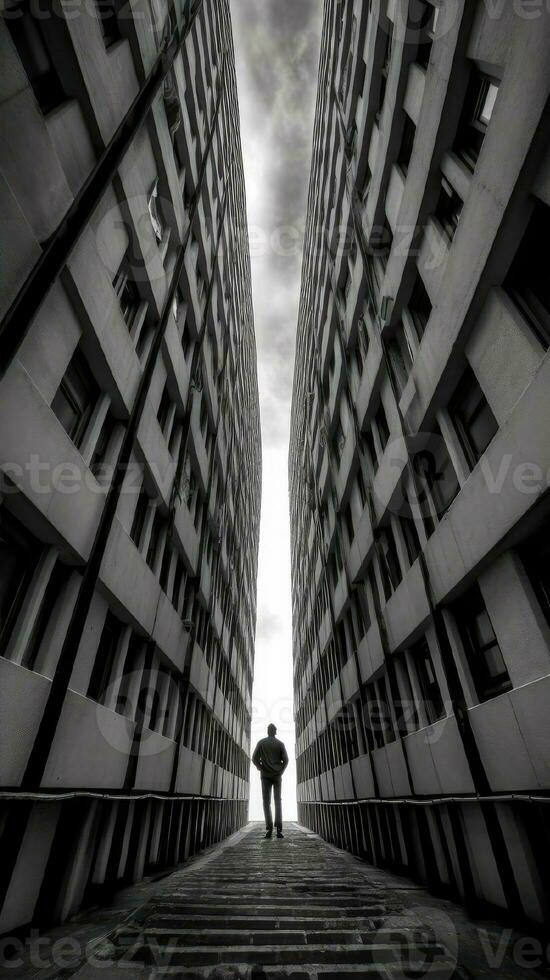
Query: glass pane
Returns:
{"type": "Point", "coordinates": [488, 104]}
{"type": "Point", "coordinates": [484, 633]}
{"type": "Point", "coordinates": [494, 662]}
{"type": "Point", "coordinates": [65, 409]}
{"type": "Point", "coordinates": [482, 430]}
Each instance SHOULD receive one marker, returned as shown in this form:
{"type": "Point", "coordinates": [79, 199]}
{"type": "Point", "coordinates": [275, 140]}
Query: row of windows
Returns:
{"type": "Point", "coordinates": [482, 652]}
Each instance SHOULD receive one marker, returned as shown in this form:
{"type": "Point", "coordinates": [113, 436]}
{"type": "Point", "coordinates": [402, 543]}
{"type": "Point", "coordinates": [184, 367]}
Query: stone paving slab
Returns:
{"type": "Point", "coordinates": [297, 908]}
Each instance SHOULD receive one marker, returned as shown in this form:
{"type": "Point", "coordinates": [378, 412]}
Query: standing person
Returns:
{"type": "Point", "coordinates": [271, 758]}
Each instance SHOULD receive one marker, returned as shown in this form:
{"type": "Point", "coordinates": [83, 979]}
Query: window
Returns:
{"type": "Point", "coordinates": [385, 70]}
{"type": "Point", "coordinates": [485, 659]}
{"type": "Point", "coordinates": [472, 416]}
{"type": "Point", "coordinates": [154, 540]}
{"type": "Point", "coordinates": [389, 562]}
{"type": "Point", "coordinates": [382, 426]}
{"type": "Point", "coordinates": [104, 658]}
{"type": "Point", "coordinates": [427, 680]}
{"type": "Point", "coordinates": [165, 567]}
{"type": "Point", "coordinates": [437, 475]}
{"type": "Point", "coordinates": [56, 584]}
{"type": "Point", "coordinates": [102, 445]}
{"type": "Point", "coordinates": [401, 358]}
{"type": "Point", "coordinates": [140, 514]}
{"type": "Point", "coordinates": [76, 398]}
{"type": "Point", "coordinates": [107, 14]}
{"type": "Point", "coordinates": [29, 36]}
{"type": "Point", "coordinates": [419, 306]}
{"type": "Point", "coordinates": [406, 147]}
{"type": "Point", "coordinates": [422, 19]}
{"type": "Point", "coordinates": [179, 580]}
{"type": "Point", "coordinates": [535, 555]}
{"type": "Point", "coordinates": [19, 556]}
{"type": "Point", "coordinates": [481, 96]}
{"type": "Point", "coordinates": [528, 282]}
{"type": "Point", "coordinates": [448, 208]}
{"type": "Point", "coordinates": [127, 292]}
{"type": "Point", "coordinates": [410, 536]}
{"type": "Point", "coordinates": [154, 212]}
{"type": "Point", "coordinates": [164, 408]}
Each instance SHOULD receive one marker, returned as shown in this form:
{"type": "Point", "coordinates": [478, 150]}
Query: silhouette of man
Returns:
{"type": "Point", "coordinates": [270, 757]}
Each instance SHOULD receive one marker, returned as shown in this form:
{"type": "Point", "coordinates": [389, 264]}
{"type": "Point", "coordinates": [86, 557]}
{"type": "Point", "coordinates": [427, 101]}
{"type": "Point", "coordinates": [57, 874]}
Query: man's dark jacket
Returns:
{"type": "Point", "coordinates": [270, 757]}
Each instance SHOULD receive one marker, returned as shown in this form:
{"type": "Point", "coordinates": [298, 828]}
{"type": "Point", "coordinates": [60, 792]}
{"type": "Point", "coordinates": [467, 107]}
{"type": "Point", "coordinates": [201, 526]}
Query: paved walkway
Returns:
{"type": "Point", "coordinates": [294, 908]}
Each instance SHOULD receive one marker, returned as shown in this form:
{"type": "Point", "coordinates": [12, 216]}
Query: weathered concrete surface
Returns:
{"type": "Point", "coordinates": [296, 908]}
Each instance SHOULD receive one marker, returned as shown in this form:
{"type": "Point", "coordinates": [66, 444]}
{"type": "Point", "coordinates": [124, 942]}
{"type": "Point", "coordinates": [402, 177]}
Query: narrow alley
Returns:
{"type": "Point", "coordinates": [297, 908]}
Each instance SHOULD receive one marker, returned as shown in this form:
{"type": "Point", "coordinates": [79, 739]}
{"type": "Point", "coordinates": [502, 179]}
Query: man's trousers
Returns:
{"type": "Point", "coordinates": [272, 783]}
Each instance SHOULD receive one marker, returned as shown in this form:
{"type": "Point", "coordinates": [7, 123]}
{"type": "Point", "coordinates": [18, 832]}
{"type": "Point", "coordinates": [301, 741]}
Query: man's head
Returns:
{"type": "Point", "coordinates": [272, 729]}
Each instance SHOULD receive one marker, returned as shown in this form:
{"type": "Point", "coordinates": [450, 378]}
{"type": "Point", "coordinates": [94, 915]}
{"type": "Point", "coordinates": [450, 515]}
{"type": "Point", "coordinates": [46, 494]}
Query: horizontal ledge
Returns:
{"type": "Point", "coordinates": [433, 800]}
{"type": "Point", "coordinates": [95, 795]}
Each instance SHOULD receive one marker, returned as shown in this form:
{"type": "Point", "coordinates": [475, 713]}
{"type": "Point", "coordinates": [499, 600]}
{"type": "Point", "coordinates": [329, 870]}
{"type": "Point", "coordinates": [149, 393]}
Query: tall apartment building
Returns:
{"type": "Point", "coordinates": [129, 445]}
{"type": "Point", "coordinates": [420, 448]}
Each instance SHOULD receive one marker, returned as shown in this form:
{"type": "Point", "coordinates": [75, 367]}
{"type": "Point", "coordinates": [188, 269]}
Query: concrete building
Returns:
{"type": "Point", "coordinates": [420, 448]}
{"type": "Point", "coordinates": [129, 447]}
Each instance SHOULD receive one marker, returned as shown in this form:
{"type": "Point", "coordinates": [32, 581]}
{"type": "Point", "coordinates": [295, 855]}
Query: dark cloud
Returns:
{"type": "Point", "coordinates": [277, 52]}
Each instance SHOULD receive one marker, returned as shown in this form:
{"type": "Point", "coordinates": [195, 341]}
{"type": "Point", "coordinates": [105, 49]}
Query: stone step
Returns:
{"type": "Point", "coordinates": [280, 900]}
{"type": "Point", "coordinates": [297, 971]}
{"type": "Point", "coordinates": [184, 937]}
{"type": "Point", "coordinates": [272, 913]}
{"type": "Point", "coordinates": [241, 921]}
{"type": "Point", "coordinates": [403, 956]}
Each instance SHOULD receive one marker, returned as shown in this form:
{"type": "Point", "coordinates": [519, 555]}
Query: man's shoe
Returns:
{"type": "Point", "coordinates": [280, 834]}
{"type": "Point", "coordinates": [268, 835]}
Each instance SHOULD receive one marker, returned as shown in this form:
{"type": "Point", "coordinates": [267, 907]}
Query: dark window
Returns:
{"type": "Point", "coordinates": [485, 659]}
{"type": "Point", "coordinates": [104, 658]}
{"type": "Point", "coordinates": [382, 241]}
{"type": "Point", "coordinates": [164, 408]}
{"type": "Point", "coordinates": [177, 154]}
{"type": "Point", "coordinates": [178, 580]}
{"type": "Point", "coordinates": [448, 208]}
{"type": "Point", "coordinates": [165, 566]}
{"type": "Point", "coordinates": [410, 534]}
{"type": "Point", "coordinates": [385, 70]}
{"type": "Point", "coordinates": [19, 556]}
{"type": "Point", "coordinates": [471, 413]}
{"type": "Point", "coordinates": [76, 398]}
{"type": "Point", "coordinates": [154, 539]}
{"type": "Point", "coordinates": [102, 444]}
{"type": "Point", "coordinates": [479, 103]}
{"type": "Point", "coordinates": [406, 147]}
{"type": "Point", "coordinates": [56, 583]}
{"type": "Point", "coordinates": [437, 474]}
{"type": "Point", "coordinates": [429, 687]}
{"type": "Point", "coordinates": [389, 562]}
{"type": "Point", "coordinates": [400, 357]}
{"type": "Point", "coordinates": [29, 36]}
{"type": "Point", "coordinates": [422, 16]}
{"type": "Point", "coordinates": [535, 554]}
{"type": "Point", "coordinates": [382, 426]}
{"type": "Point", "coordinates": [144, 339]}
{"type": "Point", "coordinates": [528, 282]}
{"type": "Point", "coordinates": [140, 514]}
{"type": "Point", "coordinates": [107, 14]}
{"type": "Point", "coordinates": [127, 292]}
{"type": "Point", "coordinates": [419, 306]}
{"type": "Point", "coordinates": [386, 719]}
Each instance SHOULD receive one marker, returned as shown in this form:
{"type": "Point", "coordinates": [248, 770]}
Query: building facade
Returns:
{"type": "Point", "coordinates": [420, 449]}
{"type": "Point", "coordinates": [129, 445]}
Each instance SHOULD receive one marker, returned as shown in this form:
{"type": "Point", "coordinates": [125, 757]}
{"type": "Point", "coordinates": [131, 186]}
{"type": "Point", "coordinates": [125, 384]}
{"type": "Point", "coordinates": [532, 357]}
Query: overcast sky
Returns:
{"type": "Point", "coordinates": [277, 53]}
